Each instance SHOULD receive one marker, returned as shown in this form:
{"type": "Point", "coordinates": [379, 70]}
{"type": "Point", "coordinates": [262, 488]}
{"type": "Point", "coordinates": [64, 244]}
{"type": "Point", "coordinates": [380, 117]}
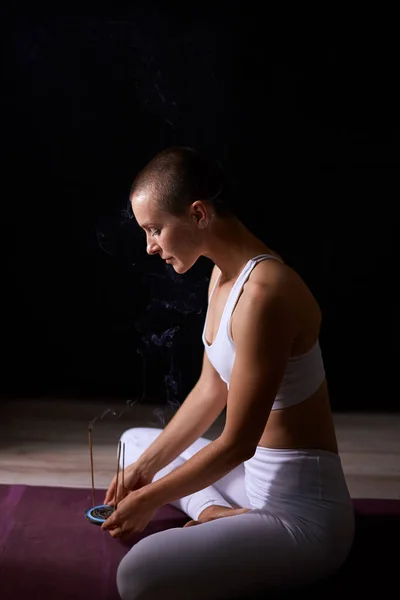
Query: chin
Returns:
{"type": "Point", "coordinates": [180, 268]}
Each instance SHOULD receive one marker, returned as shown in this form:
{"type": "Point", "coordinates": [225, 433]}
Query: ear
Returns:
{"type": "Point", "coordinates": [199, 214]}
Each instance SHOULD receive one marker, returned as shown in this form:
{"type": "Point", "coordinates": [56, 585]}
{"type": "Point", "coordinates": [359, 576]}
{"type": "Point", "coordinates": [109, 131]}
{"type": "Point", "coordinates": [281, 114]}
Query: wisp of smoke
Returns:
{"type": "Point", "coordinates": [189, 301]}
{"type": "Point", "coordinates": [130, 403]}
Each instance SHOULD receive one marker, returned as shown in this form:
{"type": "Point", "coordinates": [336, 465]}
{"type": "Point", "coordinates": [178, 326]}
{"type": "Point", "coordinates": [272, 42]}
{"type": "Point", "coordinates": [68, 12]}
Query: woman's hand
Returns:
{"type": "Point", "coordinates": [133, 514]}
{"type": "Point", "coordinates": [135, 477]}
{"type": "Point", "coordinates": [216, 512]}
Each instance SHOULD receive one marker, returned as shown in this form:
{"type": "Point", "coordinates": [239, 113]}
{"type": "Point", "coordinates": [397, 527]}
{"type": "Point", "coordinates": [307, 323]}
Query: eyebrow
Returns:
{"type": "Point", "coordinates": [148, 225]}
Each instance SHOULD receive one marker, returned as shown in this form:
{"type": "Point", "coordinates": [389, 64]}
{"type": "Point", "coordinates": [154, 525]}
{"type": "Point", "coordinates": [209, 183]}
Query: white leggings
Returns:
{"type": "Point", "coordinates": [300, 528]}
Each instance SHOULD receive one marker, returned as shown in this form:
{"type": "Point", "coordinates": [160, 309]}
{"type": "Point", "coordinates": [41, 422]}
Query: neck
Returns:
{"type": "Point", "coordinates": [230, 246]}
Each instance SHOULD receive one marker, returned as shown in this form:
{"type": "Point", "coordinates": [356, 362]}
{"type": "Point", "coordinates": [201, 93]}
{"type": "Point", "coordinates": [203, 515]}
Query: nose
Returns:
{"type": "Point", "coordinates": [152, 247]}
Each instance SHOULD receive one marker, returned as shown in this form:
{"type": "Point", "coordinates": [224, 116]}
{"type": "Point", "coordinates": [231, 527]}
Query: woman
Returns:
{"type": "Point", "coordinates": [275, 469]}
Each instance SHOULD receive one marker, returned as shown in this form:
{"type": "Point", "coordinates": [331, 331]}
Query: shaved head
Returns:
{"type": "Point", "coordinates": [177, 177]}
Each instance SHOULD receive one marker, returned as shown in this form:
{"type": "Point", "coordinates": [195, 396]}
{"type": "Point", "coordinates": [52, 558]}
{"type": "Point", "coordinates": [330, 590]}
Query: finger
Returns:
{"type": "Point", "coordinates": [120, 495]}
{"type": "Point", "coordinates": [108, 523]}
{"type": "Point", "coordinates": [115, 497]}
{"type": "Point", "coordinates": [109, 495]}
{"type": "Point", "coordinates": [115, 533]}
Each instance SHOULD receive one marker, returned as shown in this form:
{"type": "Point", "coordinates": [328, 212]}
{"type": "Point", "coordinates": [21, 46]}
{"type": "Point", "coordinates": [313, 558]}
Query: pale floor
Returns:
{"type": "Point", "coordinates": [45, 442]}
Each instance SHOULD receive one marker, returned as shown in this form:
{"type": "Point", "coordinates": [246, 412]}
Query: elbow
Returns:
{"type": "Point", "coordinates": [236, 452]}
{"type": "Point", "coordinates": [247, 454]}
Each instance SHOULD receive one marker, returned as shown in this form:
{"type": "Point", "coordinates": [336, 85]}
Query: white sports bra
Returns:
{"type": "Point", "coordinates": [304, 373]}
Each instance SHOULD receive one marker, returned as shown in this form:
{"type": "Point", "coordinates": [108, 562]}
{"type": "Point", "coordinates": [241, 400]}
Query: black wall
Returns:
{"type": "Point", "coordinates": [305, 120]}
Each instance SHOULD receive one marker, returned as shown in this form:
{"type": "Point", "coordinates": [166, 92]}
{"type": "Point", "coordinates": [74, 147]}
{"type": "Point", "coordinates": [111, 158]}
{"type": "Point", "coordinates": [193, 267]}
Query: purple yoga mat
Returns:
{"type": "Point", "coordinates": [49, 550]}
{"type": "Point", "coordinates": [374, 507]}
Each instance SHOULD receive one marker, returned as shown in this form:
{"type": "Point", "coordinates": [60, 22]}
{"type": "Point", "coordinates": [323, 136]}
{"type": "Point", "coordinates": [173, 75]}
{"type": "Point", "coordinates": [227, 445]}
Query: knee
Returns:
{"type": "Point", "coordinates": [134, 580]}
{"type": "Point", "coordinates": [128, 581]}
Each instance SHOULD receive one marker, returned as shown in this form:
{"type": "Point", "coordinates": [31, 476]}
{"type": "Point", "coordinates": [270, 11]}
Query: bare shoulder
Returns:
{"type": "Point", "coordinates": [276, 287]}
{"type": "Point", "coordinates": [276, 277]}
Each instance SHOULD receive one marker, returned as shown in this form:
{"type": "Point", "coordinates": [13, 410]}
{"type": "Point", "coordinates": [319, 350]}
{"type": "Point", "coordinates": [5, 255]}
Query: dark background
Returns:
{"type": "Point", "coordinates": [304, 118]}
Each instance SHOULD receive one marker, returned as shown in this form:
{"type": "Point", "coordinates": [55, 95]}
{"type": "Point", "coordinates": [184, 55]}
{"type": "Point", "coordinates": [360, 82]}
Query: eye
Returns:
{"type": "Point", "coordinates": [154, 232]}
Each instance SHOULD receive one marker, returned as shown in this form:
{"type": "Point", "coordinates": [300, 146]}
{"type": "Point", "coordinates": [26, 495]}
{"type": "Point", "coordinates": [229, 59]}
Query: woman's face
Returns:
{"type": "Point", "coordinates": [175, 239]}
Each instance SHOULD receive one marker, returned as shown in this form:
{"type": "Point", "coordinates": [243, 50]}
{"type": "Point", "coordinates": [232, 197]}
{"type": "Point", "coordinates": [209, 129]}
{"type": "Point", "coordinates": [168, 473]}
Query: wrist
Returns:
{"type": "Point", "coordinates": [148, 497]}
{"type": "Point", "coordinates": [146, 467]}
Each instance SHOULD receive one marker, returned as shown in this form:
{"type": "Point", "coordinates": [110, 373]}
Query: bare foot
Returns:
{"type": "Point", "coordinates": [216, 512]}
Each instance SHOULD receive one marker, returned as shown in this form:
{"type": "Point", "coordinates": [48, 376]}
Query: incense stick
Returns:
{"type": "Point", "coordinates": [119, 459]}
{"type": "Point", "coordinates": [91, 462]}
{"type": "Point", "coordinates": [116, 489]}
{"type": "Point", "coordinates": [123, 469]}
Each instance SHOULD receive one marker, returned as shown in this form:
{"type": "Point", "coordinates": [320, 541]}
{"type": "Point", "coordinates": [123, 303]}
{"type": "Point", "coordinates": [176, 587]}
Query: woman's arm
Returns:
{"type": "Point", "coordinates": [203, 469]}
{"type": "Point", "coordinates": [198, 412]}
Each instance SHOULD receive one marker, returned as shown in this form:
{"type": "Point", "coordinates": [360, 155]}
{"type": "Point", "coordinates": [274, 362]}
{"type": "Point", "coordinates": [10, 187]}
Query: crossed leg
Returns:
{"type": "Point", "coordinates": [224, 558]}
{"type": "Point", "coordinates": [229, 491]}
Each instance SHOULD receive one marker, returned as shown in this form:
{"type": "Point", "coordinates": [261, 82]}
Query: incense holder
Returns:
{"type": "Point", "coordinates": [98, 514]}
